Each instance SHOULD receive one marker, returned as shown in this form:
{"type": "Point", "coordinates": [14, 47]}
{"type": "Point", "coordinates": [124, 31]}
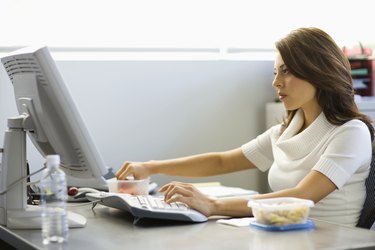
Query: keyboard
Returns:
{"type": "Point", "coordinates": [147, 206]}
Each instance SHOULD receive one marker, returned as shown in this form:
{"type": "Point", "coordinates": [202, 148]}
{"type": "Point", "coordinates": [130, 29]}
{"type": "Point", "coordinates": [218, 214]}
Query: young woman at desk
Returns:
{"type": "Point", "coordinates": [321, 152]}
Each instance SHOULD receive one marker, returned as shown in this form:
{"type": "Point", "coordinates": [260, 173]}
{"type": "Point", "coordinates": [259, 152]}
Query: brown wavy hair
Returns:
{"type": "Point", "coordinates": [312, 55]}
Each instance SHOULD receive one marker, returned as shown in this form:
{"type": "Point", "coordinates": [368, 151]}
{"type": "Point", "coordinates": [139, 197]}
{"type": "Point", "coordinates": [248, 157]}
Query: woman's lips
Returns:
{"type": "Point", "coordinates": [282, 96]}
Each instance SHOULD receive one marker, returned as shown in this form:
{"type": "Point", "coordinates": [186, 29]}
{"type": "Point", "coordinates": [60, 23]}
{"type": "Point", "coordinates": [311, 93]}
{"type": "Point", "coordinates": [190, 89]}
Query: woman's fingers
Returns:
{"type": "Point", "coordinates": [166, 188]}
{"type": "Point", "coordinates": [134, 169]}
{"type": "Point", "coordinates": [188, 194]}
{"type": "Point", "coordinates": [178, 191]}
{"type": "Point", "coordinates": [123, 171]}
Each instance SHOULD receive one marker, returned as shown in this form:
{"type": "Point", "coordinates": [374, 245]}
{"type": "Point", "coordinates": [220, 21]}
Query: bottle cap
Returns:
{"type": "Point", "coordinates": [53, 159]}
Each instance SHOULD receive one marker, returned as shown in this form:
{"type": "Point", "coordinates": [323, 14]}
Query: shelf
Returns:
{"type": "Point", "coordinates": [362, 70]}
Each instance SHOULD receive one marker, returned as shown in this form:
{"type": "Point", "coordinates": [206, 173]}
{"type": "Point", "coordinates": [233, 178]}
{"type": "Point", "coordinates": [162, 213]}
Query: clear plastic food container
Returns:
{"type": "Point", "coordinates": [281, 211]}
{"type": "Point", "coordinates": [134, 187]}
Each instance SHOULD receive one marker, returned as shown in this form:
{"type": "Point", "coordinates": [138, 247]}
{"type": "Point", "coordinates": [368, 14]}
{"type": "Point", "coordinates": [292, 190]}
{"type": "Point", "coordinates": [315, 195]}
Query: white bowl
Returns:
{"type": "Point", "coordinates": [134, 187]}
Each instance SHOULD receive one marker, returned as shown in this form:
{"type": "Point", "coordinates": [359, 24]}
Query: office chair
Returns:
{"type": "Point", "coordinates": [367, 217]}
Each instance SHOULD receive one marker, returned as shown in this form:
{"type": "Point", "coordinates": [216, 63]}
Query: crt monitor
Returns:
{"type": "Point", "coordinates": [53, 122]}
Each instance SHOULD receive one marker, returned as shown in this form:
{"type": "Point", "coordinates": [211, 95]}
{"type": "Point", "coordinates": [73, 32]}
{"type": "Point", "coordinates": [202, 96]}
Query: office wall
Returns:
{"type": "Point", "coordinates": [143, 110]}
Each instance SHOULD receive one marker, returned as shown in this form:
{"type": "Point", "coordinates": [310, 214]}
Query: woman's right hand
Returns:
{"type": "Point", "coordinates": [136, 169]}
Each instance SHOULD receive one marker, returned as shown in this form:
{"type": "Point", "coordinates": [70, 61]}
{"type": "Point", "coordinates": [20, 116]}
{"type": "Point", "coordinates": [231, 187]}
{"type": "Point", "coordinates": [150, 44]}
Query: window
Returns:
{"type": "Point", "coordinates": [198, 25]}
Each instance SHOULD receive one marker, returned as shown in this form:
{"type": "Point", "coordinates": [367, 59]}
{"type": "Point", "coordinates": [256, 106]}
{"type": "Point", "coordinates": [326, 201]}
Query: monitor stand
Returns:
{"type": "Point", "coordinates": [31, 218]}
{"type": "Point", "coordinates": [14, 211]}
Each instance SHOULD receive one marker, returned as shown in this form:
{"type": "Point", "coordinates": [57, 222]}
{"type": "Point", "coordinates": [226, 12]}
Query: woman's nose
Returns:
{"type": "Point", "coordinates": [277, 82]}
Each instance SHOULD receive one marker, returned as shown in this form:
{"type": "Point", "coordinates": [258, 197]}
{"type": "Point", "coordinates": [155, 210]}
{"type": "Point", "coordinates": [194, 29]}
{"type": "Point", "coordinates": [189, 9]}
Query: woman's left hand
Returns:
{"type": "Point", "coordinates": [190, 195]}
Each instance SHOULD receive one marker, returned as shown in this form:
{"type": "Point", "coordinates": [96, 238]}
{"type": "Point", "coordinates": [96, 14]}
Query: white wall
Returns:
{"type": "Point", "coordinates": [143, 110]}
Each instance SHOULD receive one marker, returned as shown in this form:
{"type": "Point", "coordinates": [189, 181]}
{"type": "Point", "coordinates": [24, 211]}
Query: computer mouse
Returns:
{"type": "Point", "coordinates": [79, 194]}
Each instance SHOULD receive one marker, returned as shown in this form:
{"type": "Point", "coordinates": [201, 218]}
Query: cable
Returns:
{"type": "Point", "coordinates": [21, 179]}
{"type": "Point", "coordinates": [80, 204]}
{"type": "Point", "coordinates": [32, 183]}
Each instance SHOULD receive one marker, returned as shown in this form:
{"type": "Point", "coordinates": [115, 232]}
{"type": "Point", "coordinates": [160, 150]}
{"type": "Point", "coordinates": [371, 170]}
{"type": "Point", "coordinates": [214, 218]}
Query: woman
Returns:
{"type": "Point", "coordinates": [321, 152]}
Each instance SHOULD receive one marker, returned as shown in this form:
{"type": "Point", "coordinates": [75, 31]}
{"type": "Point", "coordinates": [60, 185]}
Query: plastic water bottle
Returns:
{"type": "Point", "coordinates": [55, 228]}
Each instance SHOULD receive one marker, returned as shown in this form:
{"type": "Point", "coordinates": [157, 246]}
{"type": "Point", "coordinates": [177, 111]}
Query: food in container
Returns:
{"type": "Point", "coordinates": [130, 186]}
{"type": "Point", "coordinates": [281, 211]}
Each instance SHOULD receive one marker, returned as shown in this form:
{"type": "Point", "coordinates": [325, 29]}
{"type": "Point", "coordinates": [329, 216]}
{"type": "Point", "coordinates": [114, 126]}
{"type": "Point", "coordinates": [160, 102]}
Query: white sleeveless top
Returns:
{"type": "Point", "coordinates": [342, 153]}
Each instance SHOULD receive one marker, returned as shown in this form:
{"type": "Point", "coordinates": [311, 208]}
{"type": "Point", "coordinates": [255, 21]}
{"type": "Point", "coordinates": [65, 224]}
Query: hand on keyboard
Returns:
{"type": "Point", "coordinates": [190, 195]}
{"type": "Point", "coordinates": [148, 207]}
{"type": "Point", "coordinates": [151, 202]}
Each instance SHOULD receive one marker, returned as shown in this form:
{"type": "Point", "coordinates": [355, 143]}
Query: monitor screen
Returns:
{"type": "Point", "coordinates": [52, 121]}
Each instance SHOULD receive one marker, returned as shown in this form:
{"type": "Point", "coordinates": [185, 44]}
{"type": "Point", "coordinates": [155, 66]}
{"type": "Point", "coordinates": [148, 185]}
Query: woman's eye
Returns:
{"type": "Point", "coordinates": [285, 71]}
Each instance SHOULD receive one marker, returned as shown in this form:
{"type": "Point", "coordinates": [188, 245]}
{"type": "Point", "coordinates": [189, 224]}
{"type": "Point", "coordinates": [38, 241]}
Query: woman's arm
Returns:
{"type": "Point", "coordinates": [193, 166]}
{"type": "Point", "coordinates": [315, 186]}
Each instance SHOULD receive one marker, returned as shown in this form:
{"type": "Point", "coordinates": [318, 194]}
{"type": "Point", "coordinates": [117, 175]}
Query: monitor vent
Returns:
{"type": "Point", "coordinates": [24, 65]}
{"type": "Point", "coordinates": [81, 159]}
{"type": "Point", "coordinates": [78, 170]}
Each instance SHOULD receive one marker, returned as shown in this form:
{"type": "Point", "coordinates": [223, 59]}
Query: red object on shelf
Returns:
{"type": "Point", "coordinates": [363, 70]}
{"type": "Point", "coordinates": [357, 52]}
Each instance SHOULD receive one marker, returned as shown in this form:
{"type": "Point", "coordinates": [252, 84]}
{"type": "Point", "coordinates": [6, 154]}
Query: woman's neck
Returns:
{"type": "Point", "coordinates": [309, 116]}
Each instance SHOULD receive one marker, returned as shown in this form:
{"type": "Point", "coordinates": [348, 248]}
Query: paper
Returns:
{"type": "Point", "coordinates": [223, 191]}
{"type": "Point", "coordinates": [237, 222]}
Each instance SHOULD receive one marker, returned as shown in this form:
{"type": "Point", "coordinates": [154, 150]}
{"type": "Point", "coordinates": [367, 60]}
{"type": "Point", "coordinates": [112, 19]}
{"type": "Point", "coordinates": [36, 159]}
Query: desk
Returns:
{"type": "Point", "coordinates": [109, 228]}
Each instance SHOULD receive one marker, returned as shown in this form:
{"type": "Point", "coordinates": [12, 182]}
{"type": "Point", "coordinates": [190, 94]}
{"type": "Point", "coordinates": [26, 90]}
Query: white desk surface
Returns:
{"type": "Point", "coordinates": [109, 228]}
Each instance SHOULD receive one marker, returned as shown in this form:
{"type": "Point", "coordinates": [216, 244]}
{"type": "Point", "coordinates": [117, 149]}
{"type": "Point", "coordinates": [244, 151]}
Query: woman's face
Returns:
{"type": "Point", "coordinates": [294, 92]}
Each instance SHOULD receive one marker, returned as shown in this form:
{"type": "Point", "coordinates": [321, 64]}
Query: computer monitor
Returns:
{"type": "Point", "coordinates": [49, 116]}
{"type": "Point", "coordinates": [53, 122]}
